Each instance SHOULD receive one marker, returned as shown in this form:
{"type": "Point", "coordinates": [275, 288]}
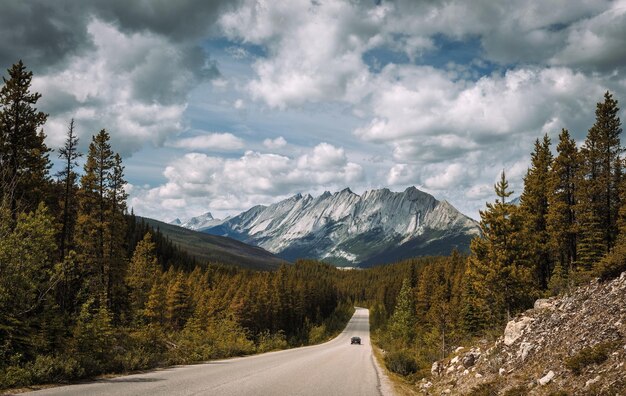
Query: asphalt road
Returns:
{"type": "Point", "coordinates": [333, 368]}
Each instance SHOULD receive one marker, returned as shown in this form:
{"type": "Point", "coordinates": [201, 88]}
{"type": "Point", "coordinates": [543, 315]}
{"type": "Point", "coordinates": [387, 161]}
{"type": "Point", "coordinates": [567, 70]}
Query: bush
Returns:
{"type": "Point", "coordinates": [401, 362]}
{"type": "Point", "coordinates": [587, 356]}
{"type": "Point", "coordinates": [614, 263]}
{"type": "Point", "coordinates": [487, 389]}
{"type": "Point", "coordinates": [271, 341]}
{"type": "Point", "coordinates": [317, 334]}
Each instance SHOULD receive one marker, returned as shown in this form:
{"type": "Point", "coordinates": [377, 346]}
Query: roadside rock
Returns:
{"type": "Point", "coordinates": [515, 329]}
{"type": "Point", "coordinates": [545, 380]}
{"type": "Point", "coordinates": [537, 348]}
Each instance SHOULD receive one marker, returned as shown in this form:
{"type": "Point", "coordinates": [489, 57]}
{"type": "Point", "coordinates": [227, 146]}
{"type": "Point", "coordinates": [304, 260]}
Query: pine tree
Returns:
{"type": "Point", "coordinates": [116, 219]}
{"type": "Point", "coordinates": [69, 153]}
{"type": "Point", "coordinates": [93, 223]}
{"type": "Point", "coordinates": [24, 162]}
{"type": "Point", "coordinates": [142, 274]}
{"type": "Point", "coordinates": [601, 173]}
{"type": "Point", "coordinates": [534, 209]}
{"type": "Point", "coordinates": [402, 322]}
{"type": "Point", "coordinates": [500, 260]}
{"type": "Point", "coordinates": [561, 218]}
{"type": "Point", "coordinates": [178, 308]}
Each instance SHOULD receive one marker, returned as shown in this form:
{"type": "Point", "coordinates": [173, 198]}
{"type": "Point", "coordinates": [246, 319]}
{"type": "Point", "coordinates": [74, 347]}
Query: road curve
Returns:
{"type": "Point", "coordinates": [333, 368]}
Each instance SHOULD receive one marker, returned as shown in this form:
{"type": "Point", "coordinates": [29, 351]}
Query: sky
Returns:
{"type": "Point", "coordinates": [222, 105]}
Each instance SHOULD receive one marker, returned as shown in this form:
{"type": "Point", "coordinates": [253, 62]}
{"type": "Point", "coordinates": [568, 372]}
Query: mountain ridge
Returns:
{"type": "Point", "coordinates": [347, 229]}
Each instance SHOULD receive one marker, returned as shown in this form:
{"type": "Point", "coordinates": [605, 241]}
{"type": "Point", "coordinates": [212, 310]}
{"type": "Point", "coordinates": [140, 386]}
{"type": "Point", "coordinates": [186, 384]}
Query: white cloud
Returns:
{"type": "Point", "coordinates": [314, 48]}
{"type": "Point", "coordinates": [200, 182]}
{"type": "Point", "coordinates": [274, 144]}
{"type": "Point", "coordinates": [132, 84]}
{"type": "Point", "coordinates": [239, 104]}
{"type": "Point", "coordinates": [211, 141]}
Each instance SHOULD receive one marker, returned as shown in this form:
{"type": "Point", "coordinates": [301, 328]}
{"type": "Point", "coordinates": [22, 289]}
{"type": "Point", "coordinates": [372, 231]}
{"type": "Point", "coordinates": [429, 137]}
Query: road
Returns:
{"type": "Point", "coordinates": [333, 368]}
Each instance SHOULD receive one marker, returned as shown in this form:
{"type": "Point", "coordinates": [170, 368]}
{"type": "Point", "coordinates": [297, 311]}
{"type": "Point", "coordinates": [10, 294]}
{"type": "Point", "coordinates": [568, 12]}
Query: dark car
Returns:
{"type": "Point", "coordinates": [355, 340]}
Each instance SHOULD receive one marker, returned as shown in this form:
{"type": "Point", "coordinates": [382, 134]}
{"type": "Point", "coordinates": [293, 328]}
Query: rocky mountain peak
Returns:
{"type": "Point", "coordinates": [347, 229]}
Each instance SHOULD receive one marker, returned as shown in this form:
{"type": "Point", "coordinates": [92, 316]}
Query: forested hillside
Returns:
{"type": "Point", "coordinates": [87, 289]}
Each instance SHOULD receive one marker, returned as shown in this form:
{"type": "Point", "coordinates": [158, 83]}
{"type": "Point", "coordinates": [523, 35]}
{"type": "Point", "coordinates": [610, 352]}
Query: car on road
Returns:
{"type": "Point", "coordinates": [355, 340]}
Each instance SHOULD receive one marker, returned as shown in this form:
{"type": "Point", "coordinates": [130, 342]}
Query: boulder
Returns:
{"type": "Point", "coordinates": [545, 380]}
{"type": "Point", "coordinates": [515, 329]}
{"type": "Point", "coordinates": [435, 370]}
{"type": "Point", "coordinates": [469, 360]}
{"type": "Point", "coordinates": [543, 303]}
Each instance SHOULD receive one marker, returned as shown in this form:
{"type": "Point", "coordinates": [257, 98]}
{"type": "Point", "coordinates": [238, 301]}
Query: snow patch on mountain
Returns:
{"type": "Point", "coordinates": [198, 223]}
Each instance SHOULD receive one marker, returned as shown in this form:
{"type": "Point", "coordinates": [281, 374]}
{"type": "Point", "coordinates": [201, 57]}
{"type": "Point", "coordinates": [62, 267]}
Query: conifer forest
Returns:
{"type": "Point", "coordinates": [87, 288]}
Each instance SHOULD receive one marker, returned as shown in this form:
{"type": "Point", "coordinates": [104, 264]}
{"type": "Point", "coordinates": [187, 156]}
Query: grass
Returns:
{"type": "Point", "coordinates": [591, 355]}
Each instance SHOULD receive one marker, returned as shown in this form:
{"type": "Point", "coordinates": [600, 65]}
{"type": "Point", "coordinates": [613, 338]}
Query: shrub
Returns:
{"type": "Point", "coordinates": [401, 362]}
{"type": "Point", "coordinates": [317, 334]}
{"type": "Point", "coordinates": [587, 356]}
{"type": "Point", "coordinates": [486, 389]}
{"type": "Point", "coordinates": [614, 263]}
{"type": "Point", "coordinates": [271, 341]}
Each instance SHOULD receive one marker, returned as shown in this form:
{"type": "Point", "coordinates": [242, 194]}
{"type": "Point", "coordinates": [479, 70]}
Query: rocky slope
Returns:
{"type": "Point", "coordinates": [575, 345]}
{"type": "Point", "coordinates": [348, 229]}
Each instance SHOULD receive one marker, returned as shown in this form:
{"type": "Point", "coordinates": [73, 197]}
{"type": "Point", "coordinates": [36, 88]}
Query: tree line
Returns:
{"type": "Point", "coordinates": [86, 289]}
{"type": "Point", "coordinates": [569, 227]}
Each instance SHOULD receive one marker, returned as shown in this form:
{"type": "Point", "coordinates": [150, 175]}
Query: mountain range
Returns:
{"type": "Point", "coordinates": [347, 229]}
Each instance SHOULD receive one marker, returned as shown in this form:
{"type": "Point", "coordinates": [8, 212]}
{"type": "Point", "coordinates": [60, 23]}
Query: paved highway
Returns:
{"type": "Point", "coordinates": [333, 368]}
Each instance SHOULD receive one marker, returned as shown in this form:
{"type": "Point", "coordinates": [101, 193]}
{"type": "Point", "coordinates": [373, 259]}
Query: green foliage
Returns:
{"type": "Point", "coordinates": [401, 362]}
{"type": "Point", "coordinates": [614, 263]}
{"type": "Point", "coordinates": [500, 266]}
{"type": "Point", "coordinates": [534, 211]}
{"type": "Point", "coordinates": [24, 162]}
{"type": "Point", "coordinates": [590, 355]}
{"type": "Point", "coordinates": [402, 322]}
{"type": "Point", "coordinates": [267, 341]}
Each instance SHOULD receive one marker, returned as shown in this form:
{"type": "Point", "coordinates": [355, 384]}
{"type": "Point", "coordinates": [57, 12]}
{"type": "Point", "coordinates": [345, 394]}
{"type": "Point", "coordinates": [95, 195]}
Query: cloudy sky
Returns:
{"type": "Point", "coordinates": [221, 105]}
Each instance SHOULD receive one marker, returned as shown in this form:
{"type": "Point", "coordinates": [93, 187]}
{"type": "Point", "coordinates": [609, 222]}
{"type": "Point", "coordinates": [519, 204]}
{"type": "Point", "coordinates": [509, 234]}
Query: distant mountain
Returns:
{"type": "Point", "coordinates": [351, 230]}
{"type": "Point", "coordinates": [212, 248]}
{"type": "Point", "coordinates": [199, 223]}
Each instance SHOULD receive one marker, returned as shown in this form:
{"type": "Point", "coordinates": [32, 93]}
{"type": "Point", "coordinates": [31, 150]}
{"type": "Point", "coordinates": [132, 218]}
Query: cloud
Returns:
{"type": "Point", "coordinates": [425, 115]}
{"type": "Point", "coordinates": [314, 49]}
{"type": "Point", "coordinates": [119, 85]}
{"type": "Point", "coordinates": [214, 183]}
{"type": "Point", "coordinates": [274, 144]}
{"type": "Point", "coordinates": [211, 141]}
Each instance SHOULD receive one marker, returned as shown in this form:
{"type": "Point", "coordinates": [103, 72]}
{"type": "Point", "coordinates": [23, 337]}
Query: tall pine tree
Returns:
{"type": "Point", "coordinates": [534, 209]}
{"type": "Point", "coordinates": [499, 264]}
{"type": "Point", "coordinates": [69, 153]}
{"type": "Point", "coordinates": [24, 162]}
{"type": "Point", "coordinates": [561, 218]}
{"type": "Point", "coordinates": [93, 223]}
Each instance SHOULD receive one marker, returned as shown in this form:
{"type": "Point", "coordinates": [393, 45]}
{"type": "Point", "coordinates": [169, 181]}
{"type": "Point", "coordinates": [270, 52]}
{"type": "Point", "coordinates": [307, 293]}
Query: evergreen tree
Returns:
{"type": "Point", "coordinates": [24, 160]}
{"type": "Point", "coordinates": [402, 322]}
{"type": "Point", "coordinates": [500, 258]}
{"type": "Point", "coordinates": [534, 209]}
{"type": "Point", "coordinates": [93, 223]}
{"type": "Point", "coordinates": [116, 219]}
{"type": "Point", "coordinates": [601, 173]}
{"type": "Point", "coordinates": [561, 218]}
{"type": "Point", "coordinates": [178, 308]}
{"type": "Point", "coordinates": [69, 153]}
{"type": "Point", "coordinates": [142, 274]}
